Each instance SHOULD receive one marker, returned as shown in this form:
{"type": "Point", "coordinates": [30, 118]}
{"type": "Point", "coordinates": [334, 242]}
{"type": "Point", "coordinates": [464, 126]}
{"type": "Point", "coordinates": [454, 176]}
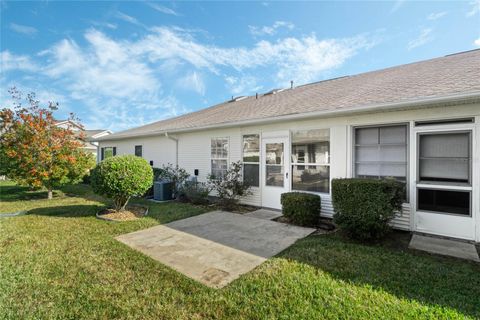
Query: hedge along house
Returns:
{"type": "Point", "coordinates": [418, 123]}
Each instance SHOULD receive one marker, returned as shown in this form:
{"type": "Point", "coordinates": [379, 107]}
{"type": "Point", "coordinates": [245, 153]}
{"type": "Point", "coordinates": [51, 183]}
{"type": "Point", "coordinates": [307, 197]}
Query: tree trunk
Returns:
{"type": "Point", "coordinates": [50, 194]}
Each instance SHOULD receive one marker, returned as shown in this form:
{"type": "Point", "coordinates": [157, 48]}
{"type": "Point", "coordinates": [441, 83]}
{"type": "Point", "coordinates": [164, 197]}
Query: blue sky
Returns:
{"type": "Point", "coordinates": [118, 65]}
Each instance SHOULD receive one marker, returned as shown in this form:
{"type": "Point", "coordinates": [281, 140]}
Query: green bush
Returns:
{"type": "Point", "coordinates": [231, 187]}
{"type": "Point", "coordinates": [364, 207]}
{"type": "Point", "coordinates": [301, 208]}
{"type": "Point", "coordinates": [195, 192]}
{"type": "Point", "coordinates": [122, 177]}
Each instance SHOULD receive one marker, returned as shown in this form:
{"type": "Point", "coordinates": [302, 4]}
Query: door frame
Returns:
{"type": "Point", "coordinates": [274, 137]}
{"type": "Point", "coordinates": [445, 224]}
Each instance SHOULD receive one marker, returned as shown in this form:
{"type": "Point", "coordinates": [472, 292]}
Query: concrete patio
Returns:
{"type": "Point", "coordinates": [217, 247]}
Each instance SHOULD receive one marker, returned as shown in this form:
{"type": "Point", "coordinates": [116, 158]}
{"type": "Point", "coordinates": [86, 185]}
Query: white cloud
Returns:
{"type": "Point", "coordinates": [125, 17]}
{"type": "Point", "coordinates": [23, 29]}
{"type": "Point", "coordinates": [162, 9]}
{"type": "Point", "coordinates": [9, 61]}
{"type": "Point", "coordinates": [242, 85]}
{"type": "Point", "coordinates": [116, 80]}
{"type": "Point", "coordinates": [424, 37]}
{"type": "Point", "coordinates": [193, 82]}
{"type": "Point", "coordinates": [301, 58]}
{"type": "Point", "coordinates": [397, 5]}
{"type": "Point", "coordinates": [270, 30]}
{"type": "Point", "coordinates": [436, 15]}
{"type": "Point", "coordinates": [475, 9]}
{"type": "Point", "coordinates": [477, 42]}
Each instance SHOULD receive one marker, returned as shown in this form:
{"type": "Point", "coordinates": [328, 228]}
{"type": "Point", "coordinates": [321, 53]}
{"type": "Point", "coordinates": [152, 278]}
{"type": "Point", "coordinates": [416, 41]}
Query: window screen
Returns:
{"type": "Point", "coordinates": [445, 157]}
{"type": "Point", "coordinates": [311, 160]}
{"type": "Point", "coordinates": [138, 151]}
{"type": "Point", "coordinates": [381, 152]}
{"type": "Point", "coordinates": [219, 157]}
{"type": "Point", "coordinates": [251, 159]}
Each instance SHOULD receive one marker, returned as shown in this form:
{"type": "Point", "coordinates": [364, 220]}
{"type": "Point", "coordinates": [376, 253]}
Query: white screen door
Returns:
{"type": "Point", "coordinates": [444, 188]}
{"type": "Point", "coordinates": [275, 173]}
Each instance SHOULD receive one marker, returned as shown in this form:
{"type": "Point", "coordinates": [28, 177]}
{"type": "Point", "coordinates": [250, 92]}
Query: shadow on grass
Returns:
{"type": "Point", "coordinates": [12, 193]}
{"type": "Point", "coordinates": [73, 211]}
{"type": "Point", "coordinates": [430, 280]}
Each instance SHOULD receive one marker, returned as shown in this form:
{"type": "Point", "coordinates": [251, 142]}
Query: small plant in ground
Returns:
{"type": "Point", "coordinates": [231, 187]}
{"type": "Point", "coordinates": [195, 192]}
{"type": "Point", "coordinates": [122, 177]}
{"type": "Point", "coordinates": [173, 174]}
{"type": "Point", "coordinates": [364, 207]}
{"type": "Point", "coordinates": [301, 208]}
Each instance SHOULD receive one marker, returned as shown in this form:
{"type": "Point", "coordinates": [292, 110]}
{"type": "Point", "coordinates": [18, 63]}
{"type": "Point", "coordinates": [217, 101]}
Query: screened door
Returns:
{"type": "Point", "coordinates": [444, 183]}
{"type": "Point", "coordinates": [275, 173]}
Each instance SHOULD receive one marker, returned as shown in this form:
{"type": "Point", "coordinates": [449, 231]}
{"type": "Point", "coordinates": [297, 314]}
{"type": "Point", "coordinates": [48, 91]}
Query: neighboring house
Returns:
{"type": "Point", "coordinates": [90, 136]}
{"type": "Point", "coordinates": [418, 123]}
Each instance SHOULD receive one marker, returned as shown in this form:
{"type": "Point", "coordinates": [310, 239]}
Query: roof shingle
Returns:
{"type": "Point", "coordinates": [439, 77]}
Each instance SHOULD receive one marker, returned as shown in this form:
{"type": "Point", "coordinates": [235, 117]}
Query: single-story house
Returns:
{"type": "Point", "coordinates": [90, 137]}
{"type": "Point", "coordinates": [418, 123]}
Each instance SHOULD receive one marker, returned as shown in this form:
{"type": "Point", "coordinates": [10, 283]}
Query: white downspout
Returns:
{"type": "Point", "coordinates": [176, 146]}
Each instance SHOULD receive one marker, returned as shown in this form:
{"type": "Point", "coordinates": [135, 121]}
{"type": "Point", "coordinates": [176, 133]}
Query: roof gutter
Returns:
{"type": "Point", "coordinates": [424, 102]}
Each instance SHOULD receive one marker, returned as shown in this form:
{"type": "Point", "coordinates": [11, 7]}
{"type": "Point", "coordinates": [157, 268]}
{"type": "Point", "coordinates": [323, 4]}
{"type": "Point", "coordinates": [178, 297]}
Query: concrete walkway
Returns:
{"type": "Point", "coordinates": [217, 247]}
{"type": "Point", "coordinates": [264, 214]}
{"type": "Point", "coordinates": [447, 247]}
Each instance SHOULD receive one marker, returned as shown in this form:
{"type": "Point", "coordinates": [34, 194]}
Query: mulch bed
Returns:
{"type": "Point", "coordinates": [130, 213]}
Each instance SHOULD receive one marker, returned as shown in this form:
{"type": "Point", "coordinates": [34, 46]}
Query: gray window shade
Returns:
{"type": "Point", "coordinates": [445, 157]}
{"type": "Point", "coordinates": [381, 152]}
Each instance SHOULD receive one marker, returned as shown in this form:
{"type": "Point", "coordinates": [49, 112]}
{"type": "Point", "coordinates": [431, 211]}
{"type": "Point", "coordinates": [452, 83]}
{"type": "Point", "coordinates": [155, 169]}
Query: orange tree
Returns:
{"type": "Point", "coordinates": [34, 151]}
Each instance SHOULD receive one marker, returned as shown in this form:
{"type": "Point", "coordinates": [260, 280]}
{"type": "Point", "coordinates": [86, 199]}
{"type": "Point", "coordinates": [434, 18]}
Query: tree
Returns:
{"type": "Point", "coordinates": [230, 187]}
{"type": "Point", "coordinates": [34, 151]}
{"type": "Point", "coordinates": [122, 177]}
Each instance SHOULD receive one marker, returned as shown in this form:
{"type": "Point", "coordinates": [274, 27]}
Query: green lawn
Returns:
{"type": "Point", "coordinates": [60, 262]}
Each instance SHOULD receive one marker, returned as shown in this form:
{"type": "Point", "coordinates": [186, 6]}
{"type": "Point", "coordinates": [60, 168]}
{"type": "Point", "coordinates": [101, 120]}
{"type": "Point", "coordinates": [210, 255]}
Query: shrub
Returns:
{"type": "Point", "coordinates": [174, 174]}
{"type": "Point", "coordinates": [231, 187]}
{"type": "Point", "coordinates": [364, 207]}
{"type": "Point", "coordinates": [301, 208]}
{"type": "Point", "coordinates": [122, 177]}
{"type": "Point", "coordinates": [196, 192]}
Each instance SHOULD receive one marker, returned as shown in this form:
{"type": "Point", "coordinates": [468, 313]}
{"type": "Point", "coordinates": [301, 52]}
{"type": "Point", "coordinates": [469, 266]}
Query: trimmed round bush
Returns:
{"type": "Point", "coordinates": [122, 177]}
{"type": "Point", "coordinates": [301, 208]}
{"type": "Point", "coordinates": [364, 207]}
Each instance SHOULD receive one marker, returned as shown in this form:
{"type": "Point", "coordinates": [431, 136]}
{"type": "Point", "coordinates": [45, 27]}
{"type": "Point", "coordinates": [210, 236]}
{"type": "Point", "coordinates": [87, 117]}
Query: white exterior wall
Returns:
{"type": "Point", "coordinates": [194, 149]}
{"type": "Point", "coordinates": [160, 150]}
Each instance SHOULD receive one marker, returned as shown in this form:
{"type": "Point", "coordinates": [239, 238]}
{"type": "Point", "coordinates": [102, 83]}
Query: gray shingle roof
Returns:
{"type": "Point", "coordinates": [440, 77]}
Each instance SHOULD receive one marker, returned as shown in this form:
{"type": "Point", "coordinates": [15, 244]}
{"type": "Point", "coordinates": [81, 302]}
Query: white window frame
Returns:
{"type": "Point", "coordinates": [228, 152]}
{"type": "Point", "coordinates": [102, 152]}
{"type": "Point", "coordinates": [447, 186]}
{"type": "Point", "coordinates": [407, 147]}
{"type": "Point", "coordinates": [259, 156]}
{"type": "Point", "coordinates": [311, 164]}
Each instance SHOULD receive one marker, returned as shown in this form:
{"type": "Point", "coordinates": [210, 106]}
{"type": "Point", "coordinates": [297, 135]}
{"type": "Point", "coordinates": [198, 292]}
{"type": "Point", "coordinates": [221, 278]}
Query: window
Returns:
{"type": "Point", "coordinates": [447, 201]}
{"type": "Point", "coordinates": [107, 152]}
{"type": "Point", "coordinates": [274, 164]}
{"type": "Point", "coordinates": [138, 151]}
{"type": "Point", "coordinates": [445, 160]}
{"type": "Point", "coordinates": [381, 152]}
{"type": "Point", "coordinates": [311, 160]}
{"type": "Point", "coordinates": [251, 159]}
{"type": "Point", "coordinates": [219, 157]}
{"type": "Point", "coordinates": [445, 157]}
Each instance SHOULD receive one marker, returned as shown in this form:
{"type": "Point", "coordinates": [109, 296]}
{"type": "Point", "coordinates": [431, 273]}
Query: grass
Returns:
{"type": "Point", "coordinates": [60, 262]}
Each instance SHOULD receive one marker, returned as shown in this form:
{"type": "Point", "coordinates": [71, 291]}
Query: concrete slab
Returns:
{"type": "Point", "coordinates": [264, 214]}
{"type": "Point", "coordinates": [217, 247]}
{"type": "Point", "coordinates": [447, 247]}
